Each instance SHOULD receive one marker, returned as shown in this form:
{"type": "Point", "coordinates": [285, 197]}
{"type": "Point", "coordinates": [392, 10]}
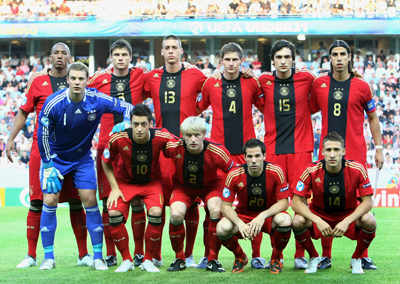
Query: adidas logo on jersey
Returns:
{"type": "Point", "coordinates": [78, 111]}
{"type": "Point", "coordinates": [126, 148]}
{"type": "Point", "coordinates": [45, 83]}
{"type": "Point", "coordinates": [216, 85]}
{"type": "Point", "coordinates": [318, 180]}
{"type": "Point", "coordinates": [268, 83]}
{"type": "Point", "coordinates": [105, 81]}
{"type": "Point", "coordinates": [323, 85]}
{"type": "Point", "coordinates": [155, 75]}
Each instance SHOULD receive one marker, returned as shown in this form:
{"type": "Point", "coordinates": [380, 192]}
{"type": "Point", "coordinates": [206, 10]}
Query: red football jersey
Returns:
{"type": "Point", "coordinates": [128, 88]}
{"type": "Point", "coordinates": [39, 88]}
{"type": "Point", "coordinates": [231, 102]}
{"type": "Point", "coordinates": [136, 163]}
{"type": "Point", "coordinates": [334, 196]}
{"type": "Point", "coordinates": [198, 171]}
{"type": "Point", "coordinates": [174, 95]}
{"type": "Point", "coordinates": [342, 106]}
{"type": "Point", "coordinates": [287, 117]}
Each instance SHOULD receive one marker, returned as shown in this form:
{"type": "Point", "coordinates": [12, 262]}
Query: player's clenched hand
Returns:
{"type": "Point", "coordinates": [379, 158]}
{"type": "Point", "coordinates": [10, 147]}
{"type": "Point", "coordinates": [51, 178]}
{"type": "Point", "coordinates": [341, 228]}
{"type": "Point", "coordinates": [112, 199]}
{"type": "Point", "coordinates": [248, 73]}
{"type": "Point", "coordinates": [324, 228]}
{"type": "Point", "coordinates": [256, 225]}
{"type": "Point", "coordinates": [217, 75]}
{"type": "Point", "coordinates": [244, 230]}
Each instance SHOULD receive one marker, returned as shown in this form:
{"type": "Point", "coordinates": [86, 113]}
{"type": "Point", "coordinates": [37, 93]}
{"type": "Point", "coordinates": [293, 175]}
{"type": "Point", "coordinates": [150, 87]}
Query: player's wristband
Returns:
{"type": "Point", "coordinates": [378, 147]}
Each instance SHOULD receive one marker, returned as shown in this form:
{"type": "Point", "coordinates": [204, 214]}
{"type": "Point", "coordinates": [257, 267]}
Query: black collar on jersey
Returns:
{"type": "Point", "coordinates": [173, 74]}
{"type": "Point", "coordinates": [130, 134]}
{"type": "Point", "coordinates": [246, 169]}
{"type": "Point", "coordinates": [284, 80]}
{"type": "Point", "coordinates": [234, 81]}
{"type": "Point", "coordinates": [330, 74]}
{"type": "Point", "coordinates": [205, 145]}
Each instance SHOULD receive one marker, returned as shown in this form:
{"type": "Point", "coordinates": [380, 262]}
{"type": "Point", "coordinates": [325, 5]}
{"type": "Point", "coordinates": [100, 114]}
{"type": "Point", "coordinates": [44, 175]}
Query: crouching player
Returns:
{"type": "Point", "coordinates": [262, 193]}
{"type": "Point", "coordinates": [197, 161]}
{"type": "Point", "coordinates": [131, 165]}
{"type": "Point", "coordinates": [336, 186]}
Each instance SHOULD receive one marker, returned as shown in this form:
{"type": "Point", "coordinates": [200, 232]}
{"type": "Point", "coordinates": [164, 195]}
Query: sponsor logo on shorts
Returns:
{"type": "Point", "coordinates": [300, 186]}
{"type": "Point", "coordinates": [226, 193]}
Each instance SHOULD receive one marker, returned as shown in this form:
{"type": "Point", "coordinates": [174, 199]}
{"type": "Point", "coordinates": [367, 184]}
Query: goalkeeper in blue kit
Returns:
{"type": "Point", "coordinates": [67, 124]}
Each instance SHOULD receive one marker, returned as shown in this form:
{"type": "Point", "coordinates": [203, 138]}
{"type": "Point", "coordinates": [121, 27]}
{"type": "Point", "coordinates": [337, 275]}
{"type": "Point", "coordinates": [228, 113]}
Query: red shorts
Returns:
{"type": "Point", "coordinates": [102, 181]}
{"type": "Point", "coordinates": [150, 192]}
{"type": "Point", "coordinates": [292, 165]}
{"type": "Point", "coordinates": [68, 190]}
{"type": "Point", "coordinates": [167, 169]}
{"type": "Point", "coordinates": [189, 195]}
{"type": "Point", "coordinates": [351, 232]}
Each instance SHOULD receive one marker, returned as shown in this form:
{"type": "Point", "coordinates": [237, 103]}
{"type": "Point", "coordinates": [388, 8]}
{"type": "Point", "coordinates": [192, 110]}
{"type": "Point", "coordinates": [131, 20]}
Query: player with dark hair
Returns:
{"type": "Point", "coordinates": [232, 98]}
{"type": "Point", "coordinates": [197, 161]}
{"type": "Point", "coordinates": [135, 153]}
{"type": "Point", "coordinates": [40, 86]}
{"type": "Point", "coordinates": [174, 90]}
{"type": "Point", "coordinates": [288, 130]}
{"type": "Point", "coordinates": [262, 193]}
{"type": "Point", "coordinates": [125, 83]}
{"type": "Point", "coordinates": [336, 185]}
{"type": "Point", "coordinates": [342, 99]}
{"type": "Point", "coordinates": [67, 123]}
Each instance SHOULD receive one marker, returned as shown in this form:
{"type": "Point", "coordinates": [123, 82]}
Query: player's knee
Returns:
{"type": "Point", "coordinates": [368, 222]}
{"type": "Point", "coordinates": [177, 219]}
{"type": "Point", "coordinates": [155, 211]}
{"type": "Point", "coordinates": [75, 205]}
{"type": "Point", "coordinates": [154, 220]}
{"type": "Point", "coordinates": [282, 220]}
{"type": "Point", "coordinates": [224, 228]}
{"type": "Point", "coordinates": [298, 223]}
{"type": "Point", "coordinates": [215, 213]}
{"type": "Point", "coordinates": [116, 220]}
{"type": "Point", "coordinates": [88, 198]}
{"type": "Point", "coordinates": [36, 206]}
{"type": "Point", "coordinates": [50, 199]}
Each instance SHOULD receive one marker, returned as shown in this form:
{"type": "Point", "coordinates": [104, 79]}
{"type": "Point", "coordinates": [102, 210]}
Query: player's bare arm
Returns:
{"type": "Point", "coordinates": [300, 207]}
{"type": "Point", "coordinates": [229, 213]}
{"type": "Point", "coordinates": [363, 208]}
{"type": "Point", "coordinates": [19, 123]}
{"type": "Point", "coordinates": [115, 193]}
{"type": "Point", "coordinates": [377, 136]}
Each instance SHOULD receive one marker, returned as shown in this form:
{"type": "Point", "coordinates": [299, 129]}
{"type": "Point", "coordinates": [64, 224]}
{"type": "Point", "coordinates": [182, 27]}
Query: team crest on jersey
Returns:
{"type": "Point", "coordinates": [256, 190]}
{"type": "Point", "coordinates": [226, 192]}
{"type": "Point", "coordinates": [106, 153]}
{"type": "Point", "coordinates": [338, 94]}
{"type": "Point", "coordinates": [231, 93]}
{"type": "Point", "coordinates": [300, 186]}
{"type": "Point", "coordinates": [62, 87]}
{"type": "Point", "coordinates": [120, 86]}
{"type": "Point", "coordinates": [334, 189]}
{"type": "Point", "coordinates": [141, 157]}
{"type": "Point", "coordinates": [284, 91]}
{"type": "Point", "coordinates": [193, 168]}
{"type": "Point", "coordinates": [92, 115]}
{"type": "Point", "coordinates": [171, 83]}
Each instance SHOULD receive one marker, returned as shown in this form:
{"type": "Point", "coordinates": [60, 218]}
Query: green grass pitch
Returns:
{"type": "Point", "coordinates": [385, 250]}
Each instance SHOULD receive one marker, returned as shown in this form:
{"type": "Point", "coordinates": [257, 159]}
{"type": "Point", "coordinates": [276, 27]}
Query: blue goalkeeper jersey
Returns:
{"type": "Point", "coordinates": [66, 128]}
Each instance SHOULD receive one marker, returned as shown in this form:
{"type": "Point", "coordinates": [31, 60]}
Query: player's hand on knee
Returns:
{"type": "Point", "coordinates": [112, 199]}
{"type": "Point", "coordinates": [340, 228]}
{"type": "Point", "coordinates": [119, 127]}
{"type": "Point", "coordinates": [244, 230]}
{"type": "Point", "coordinates": [324, 228]}
{"type": "Point", "coordinates": [51, 180]}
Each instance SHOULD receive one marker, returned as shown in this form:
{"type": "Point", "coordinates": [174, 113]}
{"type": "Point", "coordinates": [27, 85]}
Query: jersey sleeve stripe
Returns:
{"type": "Point", "coordinates": [118, 136]}
{"type": "Point", "coordinates": [359, 167]}
{"type": "Point", "coordinates": [53, 102]}
{"type": "Point", "coordinates": [232, 175]}
{"type": "Point", "coordinates": [172, 144]}
{"type": "Point", "coordinates": [219, 151]}
{"type": "Point", "coordinates": [278, 171]}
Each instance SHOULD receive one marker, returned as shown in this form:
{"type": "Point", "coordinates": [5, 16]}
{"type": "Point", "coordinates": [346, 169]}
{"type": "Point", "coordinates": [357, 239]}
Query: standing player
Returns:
{"type": "Point", "coordinates": [342, 99]}
{"type": "Point", "coordinates": [231, 99]}
{"type": "Point", "coordinates": [262, 193]}
{"type": "Point", "coordinates": [126, 84]}
{"type": "Point", "coordinates": [42, 85]}
{"type": "Point", "coordinates": [67, 123]}
{"type": "Point", "coordinates": [197, 161]}
{"type": "Point", "coordinates": [174, 91]}
{"type": "Point", "coordinates": [287, 119]}
{"type": "Point", "coordinates": [336, 185]}
{"type": "Point", "coordinates": [137, 173]}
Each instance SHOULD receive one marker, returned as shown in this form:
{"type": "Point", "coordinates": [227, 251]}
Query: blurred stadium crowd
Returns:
{"type": "Point", "coordinates": [380, 70]}
{"type": "Point", "coordinates": [44, 9]}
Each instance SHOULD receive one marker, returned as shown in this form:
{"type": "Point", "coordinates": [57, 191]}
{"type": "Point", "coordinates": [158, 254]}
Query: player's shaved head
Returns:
{"type": "Point", "coordinates": [173, 37]}
{"type": "Point", "coordinates": [60, 44]}
{"type": "Point", "coordinates": [194, 124]}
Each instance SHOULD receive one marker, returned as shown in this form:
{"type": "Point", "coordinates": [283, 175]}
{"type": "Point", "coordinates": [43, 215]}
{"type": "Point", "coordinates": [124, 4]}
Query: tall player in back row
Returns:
{"type": "Point", "coordinates": [174, 91]}
{"type": "Point", "coordinates": [125, 83]}
{"type": "Point", "coordinates": [287, 118]}
{"type": "Point", "coordinates": [40, 86]}
{"type": "Point", "coordinates": [232, 99]}
{"type": "Point", "coordinates": [342, 99]}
